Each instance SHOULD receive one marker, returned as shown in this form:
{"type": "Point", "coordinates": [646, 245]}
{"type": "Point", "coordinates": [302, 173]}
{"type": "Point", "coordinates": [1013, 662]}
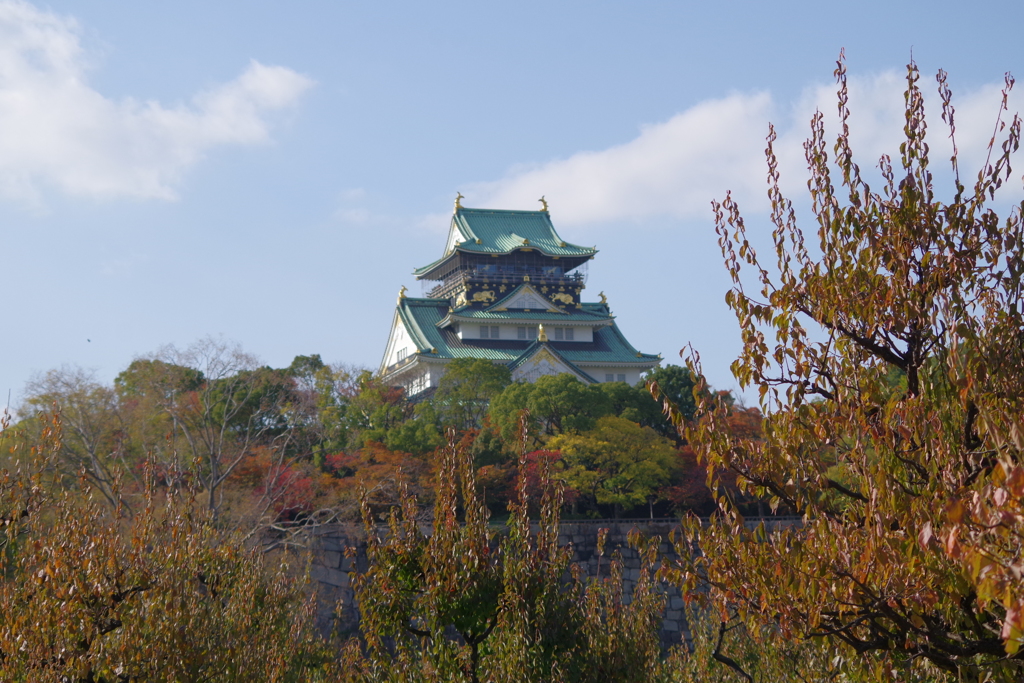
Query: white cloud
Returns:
{"type": "Point", "coordinates": [877, 119]}
{"type": "Point", "coordinates": [55, 130]}
{"type": "Point", "coordinates": [672, 168]}
{"type": "Point", "coordinates": [677, 167]}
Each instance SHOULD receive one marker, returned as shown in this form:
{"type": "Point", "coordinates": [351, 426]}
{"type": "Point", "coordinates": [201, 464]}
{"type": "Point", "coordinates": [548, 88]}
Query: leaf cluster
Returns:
{"type": "Point", "coordinates": [888, 360]}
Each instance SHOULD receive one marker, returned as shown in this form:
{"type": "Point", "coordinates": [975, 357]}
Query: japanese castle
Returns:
{"type": "Point", "coordinates": [509, 290]}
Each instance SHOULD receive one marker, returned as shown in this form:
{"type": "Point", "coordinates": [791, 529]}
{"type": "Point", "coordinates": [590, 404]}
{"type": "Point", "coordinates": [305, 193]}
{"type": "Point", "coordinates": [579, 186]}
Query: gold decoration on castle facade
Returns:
{"type": "Point", "coordinates": [564, 298]}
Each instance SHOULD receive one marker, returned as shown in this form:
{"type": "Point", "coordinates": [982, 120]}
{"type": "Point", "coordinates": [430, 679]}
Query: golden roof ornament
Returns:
{"type": "Point", "coordinates": [458, 201]}
{"type": "Point", "coordinates": [544, 204]}
{"type": "Point", "coordinates": [542, 336]}
{"type": "Point", "coordinates": [401, 293]}
{"type": "Point", "coordinates": [604, 299]}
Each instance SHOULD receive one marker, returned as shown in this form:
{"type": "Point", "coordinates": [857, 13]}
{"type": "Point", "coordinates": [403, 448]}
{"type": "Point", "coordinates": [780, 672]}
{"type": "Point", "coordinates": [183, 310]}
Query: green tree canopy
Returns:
{"type": "Point", "coordinates": [677, 384]}
{"type": "Point", "coordinates": [375, 410]}
{"type": "Point", "coordinates": [465, 391]}
{"type": "Point", "coordinates": [556, 403]}
{"type": "Point", "coordinates": [618, 463]}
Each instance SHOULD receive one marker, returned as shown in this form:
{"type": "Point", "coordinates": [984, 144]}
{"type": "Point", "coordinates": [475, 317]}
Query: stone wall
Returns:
{"type": "Point", "coordinates": [337, 607]}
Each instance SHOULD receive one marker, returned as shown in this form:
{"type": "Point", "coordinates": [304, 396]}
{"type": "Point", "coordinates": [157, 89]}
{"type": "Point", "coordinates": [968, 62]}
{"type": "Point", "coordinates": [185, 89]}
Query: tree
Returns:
{"type": "Point", "coordinates": [465, 391]}
{"type": "Point", "coordinates": [220, 402]}
{"type": "Point", "coordinates": [618, 463]}
{"type": "Point", "coordinates": [375, 410]}
{"type": "Point", "coordinates": [92, 442]}
{"type": "Point", "coordinates": [675, 383]}
{"type": "Point", "coordinates": [143, 389]}
{"type": "Point", "coordinates": [889, 367]}
{"type": "Point", "coordinates": [689, 490]}
{"type": "Point", "coordinates": [521, 613]}
{"type": "Point", "coordinates": [536, 469]}
{"type": "Point", "coordinates": [91, 597]}
{"type": "Point", "coordinates": [634, 403]}
{"type": "Point", "coordinates": [320, 402]}
{"type": "Point", "coordinates": [556, 404]}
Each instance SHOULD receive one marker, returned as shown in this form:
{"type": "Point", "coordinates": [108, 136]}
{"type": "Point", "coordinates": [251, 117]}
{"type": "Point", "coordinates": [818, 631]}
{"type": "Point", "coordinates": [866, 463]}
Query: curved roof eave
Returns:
{"type": "Point", "coordinates": [421, 273]}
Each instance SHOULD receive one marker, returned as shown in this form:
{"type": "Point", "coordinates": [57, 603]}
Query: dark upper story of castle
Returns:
{"type": "Point", "coordinates": [492, 245]}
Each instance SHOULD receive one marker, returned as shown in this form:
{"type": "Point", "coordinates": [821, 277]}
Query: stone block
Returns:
{"type": "Point", "coordinates": [332, 577]}
{"type": "Point", "coordinates": [331, 558]}
{"type": "Point", "coordinates": [668, 625]}
{"type": "Point", "coordinates": [332, 543]}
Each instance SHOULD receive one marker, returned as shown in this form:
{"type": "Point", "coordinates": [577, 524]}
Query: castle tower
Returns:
{"type": "Point", "coordinates": [509, 290]}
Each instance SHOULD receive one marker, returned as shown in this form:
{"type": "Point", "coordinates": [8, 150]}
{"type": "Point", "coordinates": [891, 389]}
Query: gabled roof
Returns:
{"type": "Point", "coordinates": [538, 348]}
{"type": "Point", "coordinates": [529, 291]}
{"type": "Point", "coordinates": [497, 231]}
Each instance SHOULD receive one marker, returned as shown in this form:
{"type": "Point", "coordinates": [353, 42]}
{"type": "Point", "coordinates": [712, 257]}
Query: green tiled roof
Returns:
{"type": "Point", "coordinates": [423, 315]}
{"type": "Point", "coordinates": [609, 346]}
{"type": "Point", "coordinates": [497, 231]}
{"type": "Point", "coordinates": [501, 232]}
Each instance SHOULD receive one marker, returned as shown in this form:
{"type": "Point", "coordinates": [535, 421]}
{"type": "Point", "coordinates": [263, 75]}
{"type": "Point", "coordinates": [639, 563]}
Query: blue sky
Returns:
{"type": "Point", "coordinates": [272, 172]}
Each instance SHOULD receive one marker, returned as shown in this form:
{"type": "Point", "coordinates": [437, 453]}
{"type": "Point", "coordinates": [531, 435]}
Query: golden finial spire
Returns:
{"type": "Point", "coordinates": [458, 200]}
{"type": "Point", "coordinates": [604, 299]}
{"type": "Point", "coordinates": [542, 336]}
{"type": "Point", "coordinates": [401, 293]}
{"type": "Point", "coordinates": [544, 204]}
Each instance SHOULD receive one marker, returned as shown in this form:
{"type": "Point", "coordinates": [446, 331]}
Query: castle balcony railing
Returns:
{"type": "Point", "coordinates": [505, 274]}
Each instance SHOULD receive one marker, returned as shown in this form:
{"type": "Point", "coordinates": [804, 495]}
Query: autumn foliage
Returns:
{"type": "Point", "coordinates": [91, 594]}
{"type": "Point", "coordinates": [889, 363]}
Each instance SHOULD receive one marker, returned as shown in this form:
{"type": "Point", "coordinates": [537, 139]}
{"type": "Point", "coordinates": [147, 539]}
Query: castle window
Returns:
{"type": "Point", "coordinates": [568, 334]}
{"type": "Point", "coordinates": [559, 334]}
{"type": "Point", "coordinates": [489, 332]}
{"type": "Point", "coordinates": [521, 333]}
{"type": "Point", "coordinates": [609, 377]}
{"type": "Point", "coordinates": [622, 378]}
{"type": "Point", "coordinates": [402, 353]}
